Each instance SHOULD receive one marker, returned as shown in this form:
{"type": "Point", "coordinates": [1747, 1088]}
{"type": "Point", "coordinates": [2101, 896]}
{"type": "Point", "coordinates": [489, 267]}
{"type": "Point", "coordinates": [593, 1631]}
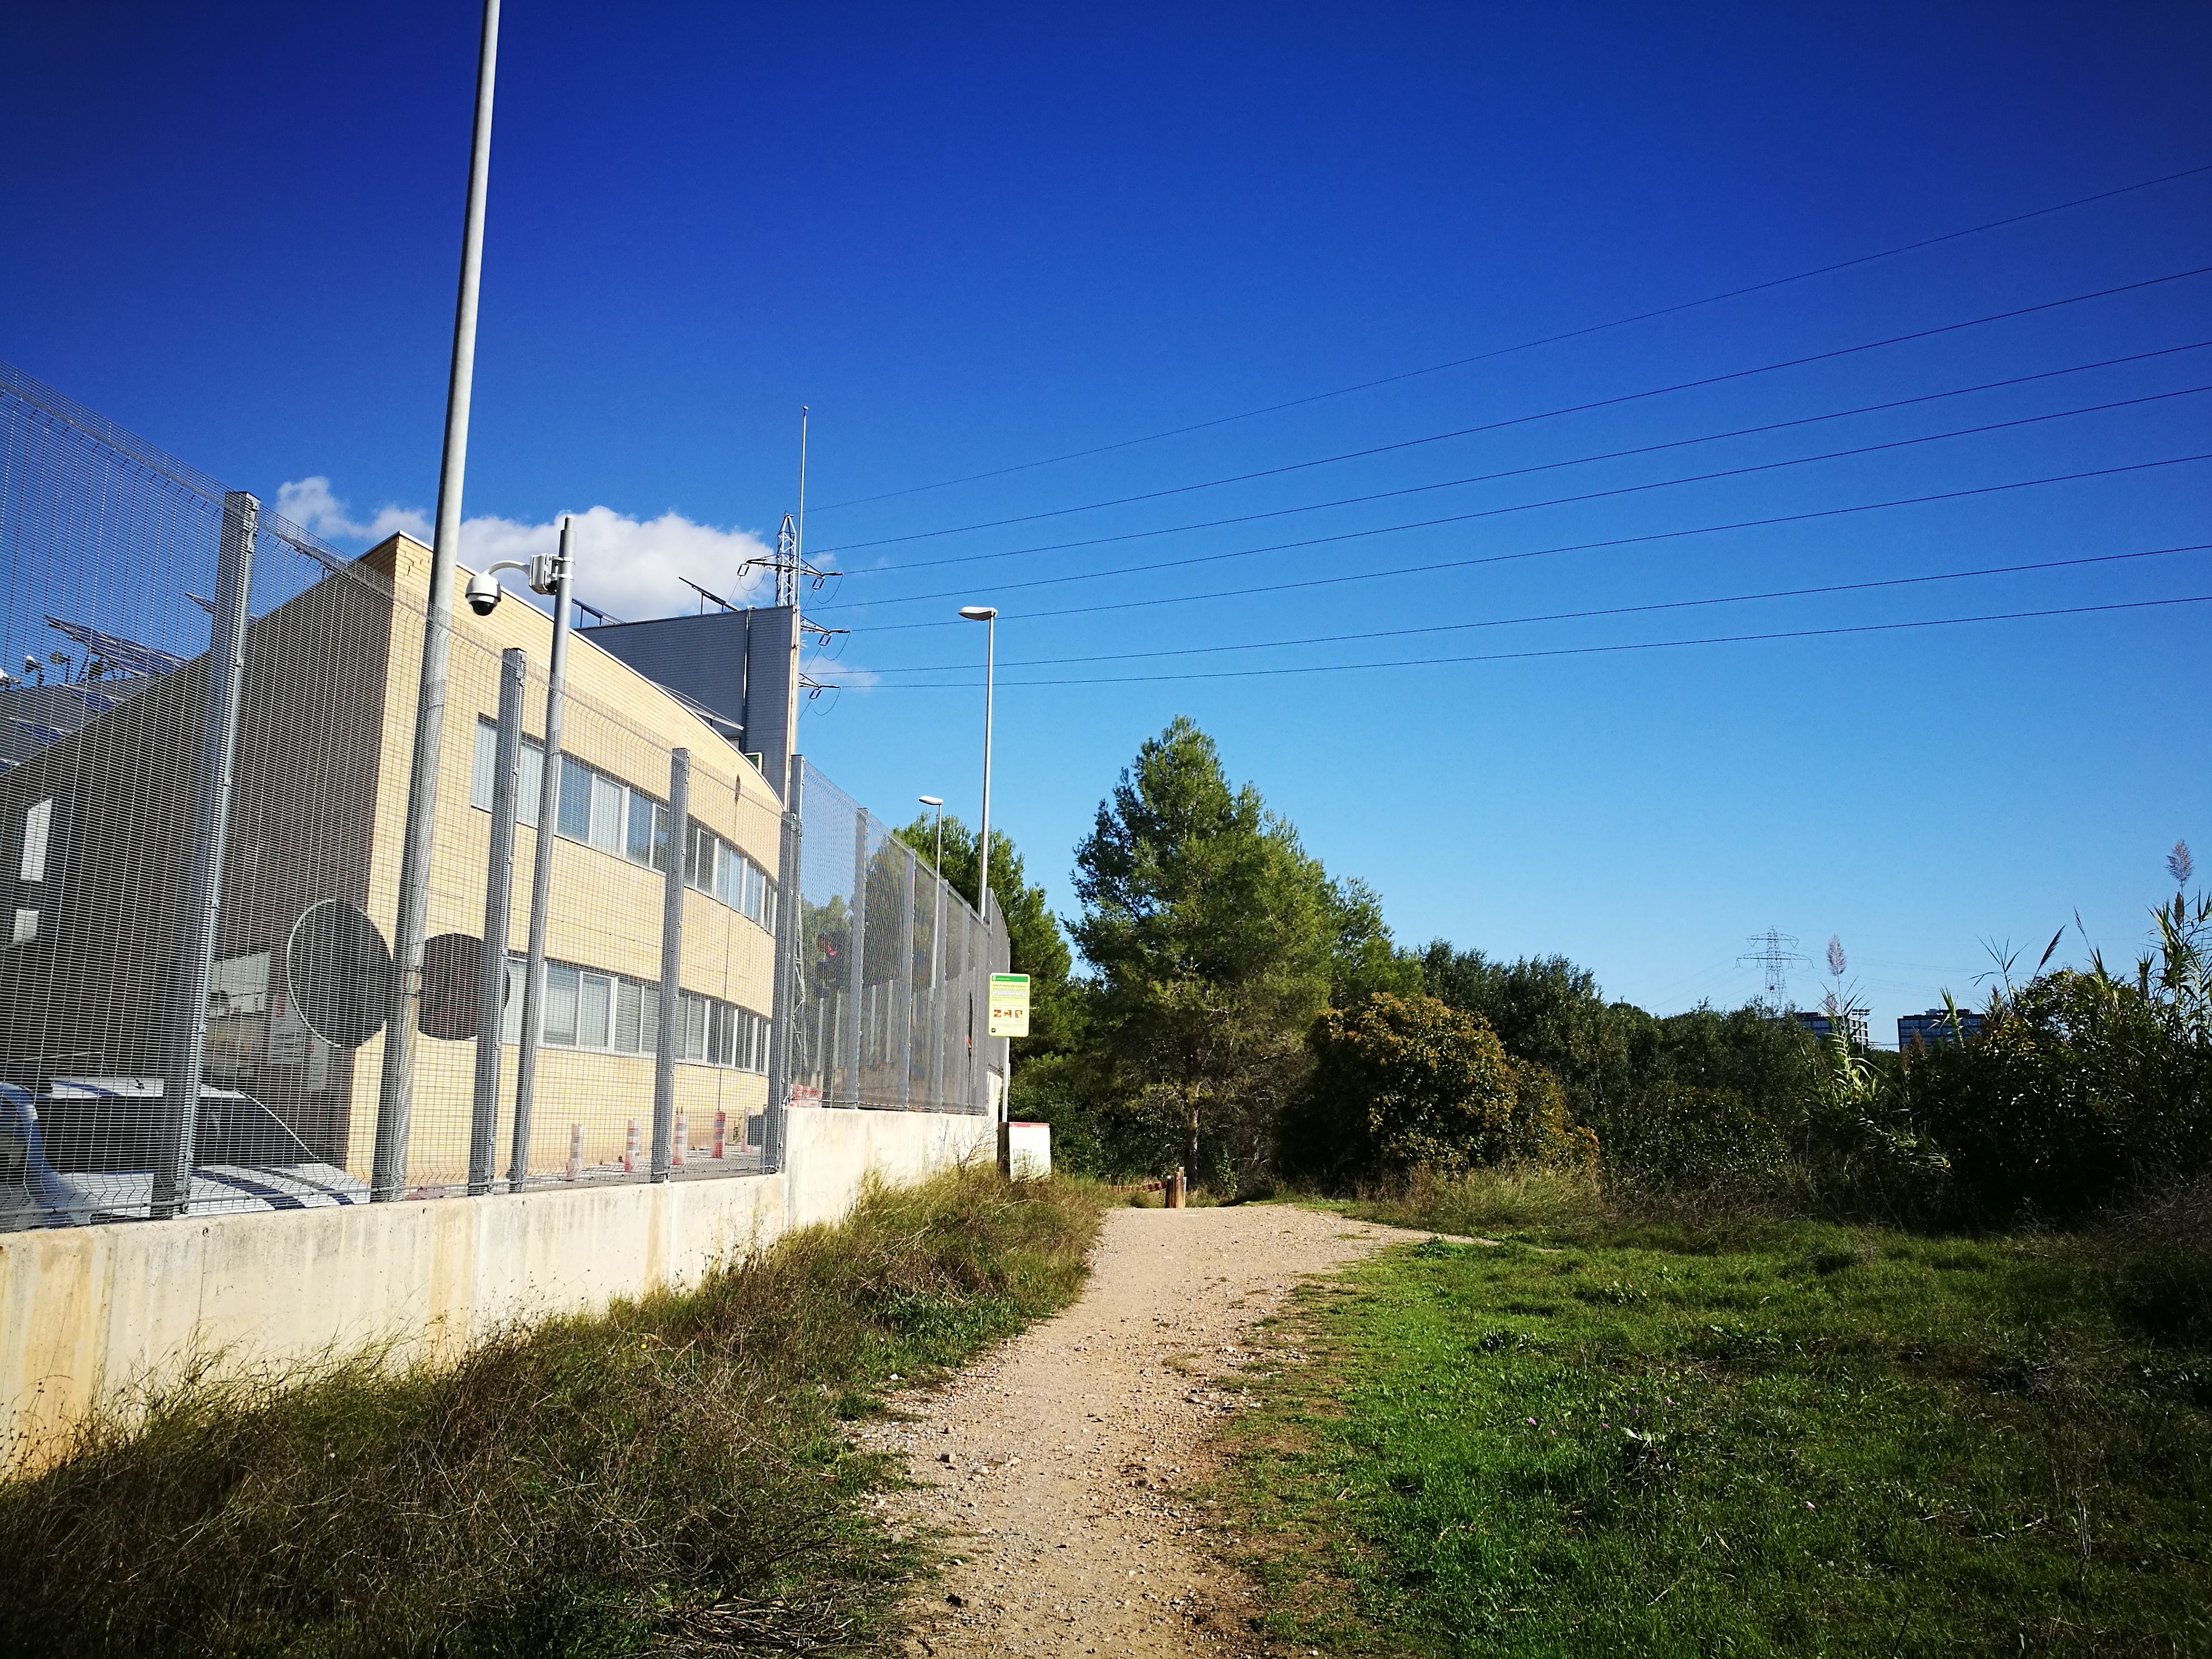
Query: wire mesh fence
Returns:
{"type": "Point", "coordinates": [892, 967]}
{"type": "Point", "coordinates": [207, 727]}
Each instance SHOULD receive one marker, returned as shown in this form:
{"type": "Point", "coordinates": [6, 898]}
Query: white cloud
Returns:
{"type": "Point", "coordinates": [629, 567]}
{"type": "Point", "coordinates": [309, 503]}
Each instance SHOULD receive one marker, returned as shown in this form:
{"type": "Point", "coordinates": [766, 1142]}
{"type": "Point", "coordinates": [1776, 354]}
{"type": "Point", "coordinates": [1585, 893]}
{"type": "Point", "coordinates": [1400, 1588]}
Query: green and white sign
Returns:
{"type": "Point", "coordinates": [1010, 1005]}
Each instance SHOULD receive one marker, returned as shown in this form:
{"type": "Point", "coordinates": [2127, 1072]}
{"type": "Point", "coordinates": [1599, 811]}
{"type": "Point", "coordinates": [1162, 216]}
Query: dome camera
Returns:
{"type": "Point", "coordinates": [482, 593]}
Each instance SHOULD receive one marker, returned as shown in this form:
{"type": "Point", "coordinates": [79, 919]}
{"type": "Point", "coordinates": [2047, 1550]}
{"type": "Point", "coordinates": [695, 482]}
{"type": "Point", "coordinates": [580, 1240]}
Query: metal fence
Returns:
{"type": "Point", "coordinates": [892, 968]}
{"type": "Point", "coordinates": [206, 726]}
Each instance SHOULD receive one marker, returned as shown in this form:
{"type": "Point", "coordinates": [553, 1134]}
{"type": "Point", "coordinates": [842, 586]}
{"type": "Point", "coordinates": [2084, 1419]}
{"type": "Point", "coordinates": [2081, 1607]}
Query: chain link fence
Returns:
{"type": "Point", "coordinates": [207, 724]}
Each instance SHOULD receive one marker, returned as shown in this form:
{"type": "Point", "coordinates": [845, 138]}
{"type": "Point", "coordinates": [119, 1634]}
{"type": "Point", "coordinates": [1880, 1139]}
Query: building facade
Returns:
{"type": "Point", "coordinates": [99, 824]}
{"type": "Point", "coordinates": [1936, 1025]}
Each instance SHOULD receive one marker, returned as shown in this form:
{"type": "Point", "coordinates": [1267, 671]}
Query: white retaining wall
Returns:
{"type": "Point", "coordinates": [91, 1315]}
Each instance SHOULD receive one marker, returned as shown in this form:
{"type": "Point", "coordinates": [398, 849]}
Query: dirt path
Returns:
{"type": "Point", "coordinates": [1059, 1467]}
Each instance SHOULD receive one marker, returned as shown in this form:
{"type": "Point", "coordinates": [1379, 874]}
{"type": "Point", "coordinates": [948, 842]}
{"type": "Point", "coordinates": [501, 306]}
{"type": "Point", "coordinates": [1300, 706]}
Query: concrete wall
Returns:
{"type": "Point", "coordinates": [91, 1315]}
{"type": "Point", "coordinates": [832, 1150]}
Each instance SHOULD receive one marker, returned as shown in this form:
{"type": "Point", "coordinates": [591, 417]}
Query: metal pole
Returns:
{"type": "Point", "coordinates": [983, 841]}
{"type": "Point", "coordinates": [541, 870]}
{"type": "Point", "coordinates": [226, 669]}
{"type": "Point", "coordinates": [672, 961]}
{"type": "Point", "coordinates": [395, 1090]}
{"type": "Point", "coordinates": [906, 979]}
{"type": "Point", "coordinates": [789, 912]}
{"type": "Point", "coordinates": [856, 949]}
{"type": "Point", "coordinates": [983, 853]}
{"type": "Point", "coordinates": [499, 888]}
{"type": "Point", "coordinates": [937, 971]}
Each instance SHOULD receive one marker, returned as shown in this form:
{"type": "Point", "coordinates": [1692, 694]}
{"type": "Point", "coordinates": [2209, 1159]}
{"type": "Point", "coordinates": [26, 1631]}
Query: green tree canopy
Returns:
{"type": "Point", "coordinates": [1400, 1082]}
{"type": "Point", "coordinates": [1035, 944]}
{"type": "Point", "coordinates": [1215, 937]}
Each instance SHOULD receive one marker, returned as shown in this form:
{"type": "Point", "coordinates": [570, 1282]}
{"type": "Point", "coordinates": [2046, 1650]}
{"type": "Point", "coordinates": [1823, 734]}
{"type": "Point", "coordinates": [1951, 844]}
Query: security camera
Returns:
{"type": "Point", "coordinates": [483, 594]}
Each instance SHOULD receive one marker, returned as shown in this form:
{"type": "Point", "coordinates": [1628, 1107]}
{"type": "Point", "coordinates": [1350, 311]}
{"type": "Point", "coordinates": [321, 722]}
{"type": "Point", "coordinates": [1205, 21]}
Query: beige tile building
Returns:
{"type": "Point", "coordinates": [318, 802]}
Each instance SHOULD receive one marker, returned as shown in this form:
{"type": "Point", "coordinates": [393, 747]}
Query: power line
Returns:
{"type": "Point", "coordinates": [1523, 420]}
{"type": "Point", "coordinates": [1507, 558]}
{"type": "Point", "coordinates": [1528, 345]}
{"type": "Point", "coordinates": [1745, 470]}
{"type": "Point", "coordinates": [1574, 650]}
{"type": "Point", "coordinates": [1489, 478]}
{"type": "Point", "coordinates": [1920, 579]}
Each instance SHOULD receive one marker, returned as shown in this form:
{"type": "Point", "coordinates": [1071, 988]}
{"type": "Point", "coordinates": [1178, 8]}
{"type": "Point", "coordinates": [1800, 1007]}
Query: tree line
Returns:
{"type": "Point", "coordinates": [1244, 1015]}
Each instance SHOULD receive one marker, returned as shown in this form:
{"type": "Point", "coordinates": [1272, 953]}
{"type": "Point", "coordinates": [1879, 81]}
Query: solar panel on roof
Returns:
{"type": "Point", "coordinates": [126, 654]}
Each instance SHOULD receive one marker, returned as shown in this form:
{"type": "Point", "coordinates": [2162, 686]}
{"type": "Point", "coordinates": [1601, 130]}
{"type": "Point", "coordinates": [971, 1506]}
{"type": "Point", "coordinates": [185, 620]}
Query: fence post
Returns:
{"type": "Point", "coordinates": [857, 950]}
{"type": "Point", "coordinates": [936, 989]}
{"type": "Point", "coordinates": [671, 960]}
{"type": "Point", "coordinates": [541, 869]}
{"type": "Point", "coordinates": [912, 868]}
{"type": "Point", "coordinates": [226, 669]}
{"type": "Point", "coordinates": [499, 886]}
{"type": "Point", "coordinates": [783, 1028]}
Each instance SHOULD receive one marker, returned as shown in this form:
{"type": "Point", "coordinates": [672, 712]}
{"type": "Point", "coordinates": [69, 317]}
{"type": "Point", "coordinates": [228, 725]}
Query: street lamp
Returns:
{"type": "Point", "coordinates": [988, 616]}
{"type": "Point", "coordinates": [395, 1089]}
{"type": "Point", "coordinates": [937, 960]}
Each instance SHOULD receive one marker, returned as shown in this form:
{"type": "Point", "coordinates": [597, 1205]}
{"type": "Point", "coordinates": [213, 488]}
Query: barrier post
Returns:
{"type": "Point", "coordinates": [499, 887]}
{"type": "Point", "coordinates": [225, 671]}
{"type": "Point", "coordinates": [672, 961]}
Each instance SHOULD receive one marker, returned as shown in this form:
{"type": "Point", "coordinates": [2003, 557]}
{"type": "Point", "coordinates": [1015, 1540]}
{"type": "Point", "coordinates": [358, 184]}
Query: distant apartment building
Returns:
{"type": "Point", "coordinates": [1856, 1026]}
{"type": "Point", "coordinates": [1936, 1025]}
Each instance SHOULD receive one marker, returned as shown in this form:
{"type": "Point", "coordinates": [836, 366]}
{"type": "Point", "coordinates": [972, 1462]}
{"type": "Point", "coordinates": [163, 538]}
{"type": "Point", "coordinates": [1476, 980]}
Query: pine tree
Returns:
{"type": "Point", "coordinates": [1213, 935]}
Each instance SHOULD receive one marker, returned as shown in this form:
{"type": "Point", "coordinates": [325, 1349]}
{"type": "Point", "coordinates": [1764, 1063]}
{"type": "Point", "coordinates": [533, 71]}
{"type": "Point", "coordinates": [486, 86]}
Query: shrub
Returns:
{"type": "Point", "coordinates": [1407, 1082]}
{"type": "Point", "coordinates": [1541, 1129]}
{"type": "Point", "coordinates": [2081, 1090]}
{"type": "Point", "coordinates": [1681, 1135]}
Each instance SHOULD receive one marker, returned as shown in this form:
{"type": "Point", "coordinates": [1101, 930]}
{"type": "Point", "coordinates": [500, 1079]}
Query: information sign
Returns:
{"type": "Point", "coordinates": [1010, 1005]}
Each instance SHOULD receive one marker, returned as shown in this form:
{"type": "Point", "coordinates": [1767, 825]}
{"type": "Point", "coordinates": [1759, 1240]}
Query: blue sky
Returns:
{"type": "Point", "coordinates": [971, 239]}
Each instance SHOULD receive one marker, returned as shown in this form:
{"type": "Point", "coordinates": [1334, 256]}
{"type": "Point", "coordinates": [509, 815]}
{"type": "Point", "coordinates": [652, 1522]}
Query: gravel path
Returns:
{"type": "Point", "coordinates": [1058, 1466]}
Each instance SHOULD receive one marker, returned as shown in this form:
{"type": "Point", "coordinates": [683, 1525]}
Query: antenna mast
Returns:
{"type": "Point", "coordinates": [792, 570]}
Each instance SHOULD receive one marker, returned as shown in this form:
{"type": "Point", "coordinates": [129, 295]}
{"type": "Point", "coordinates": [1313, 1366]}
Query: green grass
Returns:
{"type": "Point", "coordinates": [673, 1478]}
{"type": "Point", "coordinates": [1622, 1434]}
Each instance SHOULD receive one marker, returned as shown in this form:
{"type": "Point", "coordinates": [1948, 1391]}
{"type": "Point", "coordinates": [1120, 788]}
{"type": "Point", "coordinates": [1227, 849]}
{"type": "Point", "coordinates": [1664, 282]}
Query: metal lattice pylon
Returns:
{"type": "Point", "coordinates": [1774, 950]}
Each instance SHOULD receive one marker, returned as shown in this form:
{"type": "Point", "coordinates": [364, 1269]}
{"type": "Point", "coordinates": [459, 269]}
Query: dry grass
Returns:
{"type": "Point", "coordinates": [668, 1479]}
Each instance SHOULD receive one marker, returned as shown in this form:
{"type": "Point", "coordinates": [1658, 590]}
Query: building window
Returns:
{"type": "Point", "coordinates": [27, 925]}
{"type": "Point", "coordinates": [38, 823]}
{"type": "Point", "coordinates": [608, 1013]}
{"type": "Point", "coordinates": [714, 866]}
{"type": "Point", "coordinates": [561, 985]}
{"type": "Point", "coordinates": [647, 842]}
{"type": "Point", "coordinates": [510, 1014]}
{"type": "Point", "coordinates": [594, 1004]}
{"type": "Point", "coordinates": [530, 774]}
{"type": "Point", "coordinates": [606, 814]}
{"type": "Point", "coordinates": [574, 819]}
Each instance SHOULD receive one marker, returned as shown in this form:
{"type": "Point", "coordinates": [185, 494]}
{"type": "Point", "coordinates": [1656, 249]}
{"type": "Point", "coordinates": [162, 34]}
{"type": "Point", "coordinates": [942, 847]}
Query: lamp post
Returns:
{"type": "Point", "coordinates": [937, 959]}
{"type": "Point", "coordinates": [988, 616]}
{"type": "Point", "coordinates": [395, 1088]}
